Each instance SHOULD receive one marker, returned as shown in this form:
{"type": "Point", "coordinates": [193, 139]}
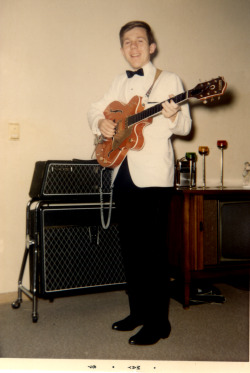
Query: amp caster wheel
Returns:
{"type": "Point", "coordinates": [16, 304]}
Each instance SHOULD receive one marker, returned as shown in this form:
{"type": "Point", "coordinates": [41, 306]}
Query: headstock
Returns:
{"type": "Point", "coordinates": [208, 90]}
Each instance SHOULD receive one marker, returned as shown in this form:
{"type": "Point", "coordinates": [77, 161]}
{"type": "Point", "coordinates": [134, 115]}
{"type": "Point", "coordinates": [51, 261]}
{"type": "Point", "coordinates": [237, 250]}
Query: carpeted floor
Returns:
{"type": "Point", "coordinates": [79, 327]}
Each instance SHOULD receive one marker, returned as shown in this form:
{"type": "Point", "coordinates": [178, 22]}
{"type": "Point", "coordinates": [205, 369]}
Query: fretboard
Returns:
{"type": "Point", "coordinates": [153, 110]}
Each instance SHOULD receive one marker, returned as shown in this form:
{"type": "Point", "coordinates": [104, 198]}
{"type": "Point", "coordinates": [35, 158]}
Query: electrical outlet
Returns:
{"type": "Point", "coordinates": [14, 131]}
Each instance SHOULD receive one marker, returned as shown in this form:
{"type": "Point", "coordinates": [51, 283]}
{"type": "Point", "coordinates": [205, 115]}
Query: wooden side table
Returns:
{"type": "Point", "coordinates": [194, 247]}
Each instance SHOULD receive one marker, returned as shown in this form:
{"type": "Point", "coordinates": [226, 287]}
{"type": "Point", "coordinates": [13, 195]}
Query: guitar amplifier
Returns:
{"type": "Point", "coordinates": [75, 253]}
{"type": "Point", "coordinates": [69, 179]}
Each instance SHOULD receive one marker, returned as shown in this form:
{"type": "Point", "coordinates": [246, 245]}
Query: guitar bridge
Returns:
{"type": "Point", "coordinates": [120, 137]}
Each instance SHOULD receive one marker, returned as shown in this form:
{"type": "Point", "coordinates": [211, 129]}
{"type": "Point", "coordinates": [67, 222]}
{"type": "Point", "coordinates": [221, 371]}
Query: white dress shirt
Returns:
{"type": "Point", "coordinates": [153, 165]}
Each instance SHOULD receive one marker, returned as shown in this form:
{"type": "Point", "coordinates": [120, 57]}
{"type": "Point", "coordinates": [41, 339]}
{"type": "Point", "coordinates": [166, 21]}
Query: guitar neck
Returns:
{"type": "Point", "coordinates": [152, 111]}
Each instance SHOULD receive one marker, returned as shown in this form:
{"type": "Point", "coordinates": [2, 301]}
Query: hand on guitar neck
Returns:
{"type": "Point", "coordinates": [170, 109]}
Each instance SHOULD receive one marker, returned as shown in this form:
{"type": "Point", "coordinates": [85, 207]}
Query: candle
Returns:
{"type": "Point", "coordinates": [203, 150]}
{"type": "Point", "coordinates": [191, 156]}
{"type": "Point", "coordinates": [222, 144]}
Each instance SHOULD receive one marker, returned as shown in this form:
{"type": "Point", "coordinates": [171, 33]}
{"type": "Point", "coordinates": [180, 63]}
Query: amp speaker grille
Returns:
{"type": "Point", "coordinates": [74, 250]}
{"type": "Point", "coordinates": [76, 257]}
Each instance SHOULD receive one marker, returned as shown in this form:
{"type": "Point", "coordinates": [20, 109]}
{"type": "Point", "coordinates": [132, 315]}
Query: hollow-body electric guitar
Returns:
{"type": "Point", "coordinates": [131, 119]}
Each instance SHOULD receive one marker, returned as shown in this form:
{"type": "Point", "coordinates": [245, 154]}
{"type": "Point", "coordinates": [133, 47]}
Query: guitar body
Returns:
{"type": "Point", "coordinates": [111, 152]}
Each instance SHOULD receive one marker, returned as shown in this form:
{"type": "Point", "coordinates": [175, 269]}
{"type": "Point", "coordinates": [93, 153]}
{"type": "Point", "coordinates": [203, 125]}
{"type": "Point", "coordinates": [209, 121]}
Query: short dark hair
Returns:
{"type": "Point", "coordinates": [130, 25]}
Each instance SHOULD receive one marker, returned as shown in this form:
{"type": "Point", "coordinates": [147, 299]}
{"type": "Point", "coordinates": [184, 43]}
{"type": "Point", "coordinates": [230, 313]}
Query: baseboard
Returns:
{"type": "Point", "coordinates": [8, 297]}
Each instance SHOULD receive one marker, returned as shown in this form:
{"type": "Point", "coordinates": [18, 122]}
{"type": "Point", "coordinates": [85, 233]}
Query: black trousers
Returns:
{"type": "Point", "coordinates": [142, 218]}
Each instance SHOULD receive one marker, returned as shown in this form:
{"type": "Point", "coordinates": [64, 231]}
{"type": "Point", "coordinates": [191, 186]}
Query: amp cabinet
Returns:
{"type": "Point", "coordinates": [74, 251]}
{"type": "Point", "coordinates": [72, 248]}
{"type": "Point", "coordinates": [72, 238]}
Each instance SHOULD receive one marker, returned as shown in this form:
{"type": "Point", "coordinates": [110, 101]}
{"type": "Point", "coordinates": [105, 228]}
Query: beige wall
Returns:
{"type": "Point", "coordinates": [57, 56]}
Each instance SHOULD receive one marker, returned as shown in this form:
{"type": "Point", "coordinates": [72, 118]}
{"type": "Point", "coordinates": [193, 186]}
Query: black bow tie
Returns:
{"type": "Point", "coordinates": [130, 74]}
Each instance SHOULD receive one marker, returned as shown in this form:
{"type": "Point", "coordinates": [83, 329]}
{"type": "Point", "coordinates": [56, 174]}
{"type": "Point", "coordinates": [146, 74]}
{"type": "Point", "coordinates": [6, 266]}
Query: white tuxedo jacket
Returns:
{"type": "Point", "coordinates": [153, 165]}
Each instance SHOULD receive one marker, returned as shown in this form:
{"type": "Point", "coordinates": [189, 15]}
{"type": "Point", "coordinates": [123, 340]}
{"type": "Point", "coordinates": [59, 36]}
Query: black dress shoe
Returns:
{"type": "Point", "coordinates": [127, 324]}
{"type": "Point", "coordinates": [148, 335]}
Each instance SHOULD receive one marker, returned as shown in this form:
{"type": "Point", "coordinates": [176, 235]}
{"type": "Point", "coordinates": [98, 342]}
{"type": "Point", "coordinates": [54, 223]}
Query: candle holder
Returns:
{"type": "Point", "coordinates": [203, 150]}
{"type": "Point", "coordinates": [221, 144]}
{"type": "Point", "coordinates": [246, 175]}
{"type": "Point", "coordinates": [191, 157]}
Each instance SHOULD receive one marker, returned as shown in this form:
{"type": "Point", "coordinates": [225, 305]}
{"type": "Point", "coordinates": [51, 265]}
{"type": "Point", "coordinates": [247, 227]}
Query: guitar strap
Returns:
{"type": "Point", "coordinates": [157, 74]}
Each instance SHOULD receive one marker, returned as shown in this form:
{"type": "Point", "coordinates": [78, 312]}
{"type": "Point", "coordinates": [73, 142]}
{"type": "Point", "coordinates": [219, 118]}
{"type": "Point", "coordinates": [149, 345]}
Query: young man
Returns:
{"type": "Point", "coordinates": [143, 183]}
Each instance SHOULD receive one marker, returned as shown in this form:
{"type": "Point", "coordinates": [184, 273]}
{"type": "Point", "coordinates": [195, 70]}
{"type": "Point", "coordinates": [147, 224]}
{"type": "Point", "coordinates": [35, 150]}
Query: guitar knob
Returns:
{"type": "Point", "coordinates": [204, 102]}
